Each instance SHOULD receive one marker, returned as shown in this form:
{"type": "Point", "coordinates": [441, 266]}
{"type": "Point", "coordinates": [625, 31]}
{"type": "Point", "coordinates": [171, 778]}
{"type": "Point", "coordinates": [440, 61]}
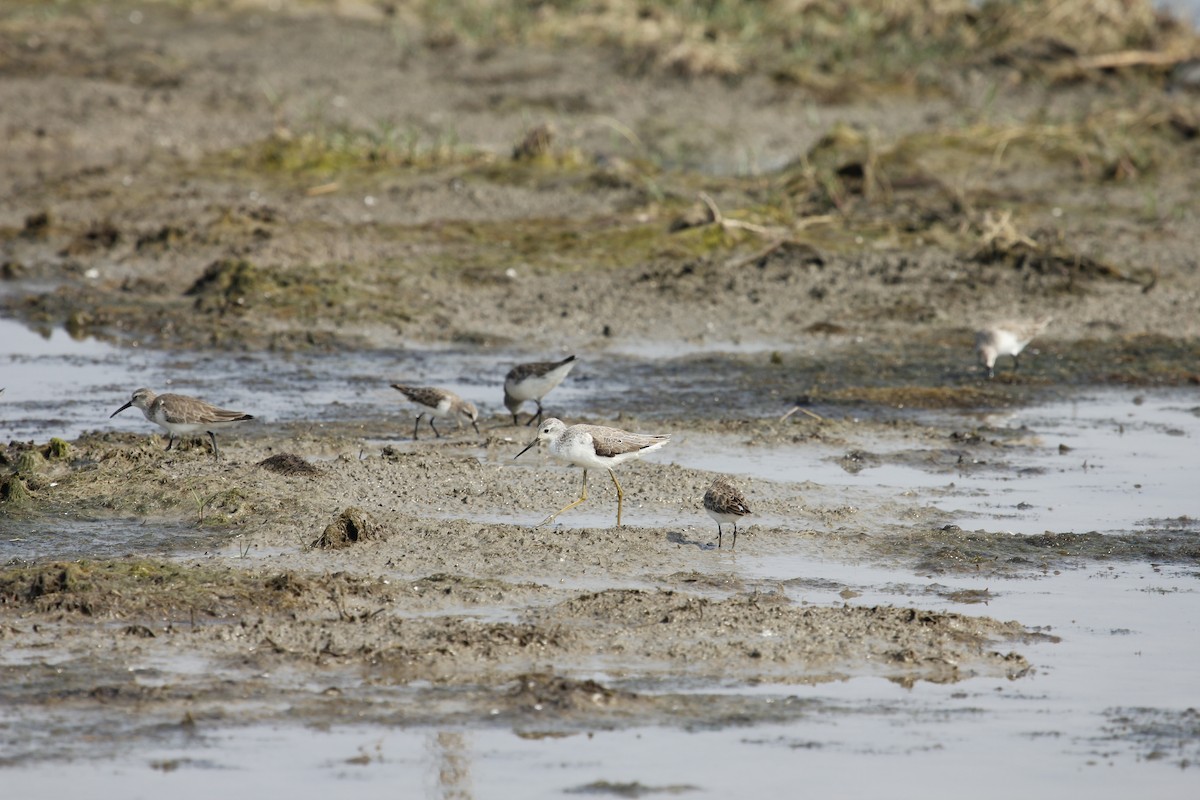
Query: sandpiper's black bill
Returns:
{"type": "Point", "coordinates": [119, 410]}
{"type": "Point", "coordinates": [527, 447]}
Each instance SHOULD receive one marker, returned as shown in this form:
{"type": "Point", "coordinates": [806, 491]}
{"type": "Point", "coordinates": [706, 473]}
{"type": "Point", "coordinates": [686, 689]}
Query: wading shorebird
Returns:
{"type": "Point", "coordinates": [1006, 338]}
{"type": "Point", "coordinates": [725, 504]}
{"type": "Point", "coordinates": [593, 447]}
{"type": "Point", "coordinates": [533, 382]}
{"type": "Point", "coordinates": [439, 403]}
{"type": "Point", "coordinates": [178, 414]}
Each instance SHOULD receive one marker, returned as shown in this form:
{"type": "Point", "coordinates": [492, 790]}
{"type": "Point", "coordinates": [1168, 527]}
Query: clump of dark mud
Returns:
{"type": "Point", "coordinates": [350, 528]}
{"type": "Point", "coordinates": [226, 285]}
{"type": "Point", "coordinates": [288, 464]}
{"type": "Point", "coordinates": [546, 690]}
{"type": "Point", "coordinates": [132, 588]}
{"type": "Point", "coordinates": [953, 550]}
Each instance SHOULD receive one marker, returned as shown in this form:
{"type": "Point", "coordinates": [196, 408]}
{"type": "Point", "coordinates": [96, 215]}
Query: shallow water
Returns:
{"type": "Point", "coordinates": [1131, 646]}
{"type": "Point", "coordinates": [1130, 464]}
{"type": "Point", "coordinates": [1129, 630]}
{"type": "Point", "coordinates": [59, 386]}
{"type": "Point", "coordinates": [72, 538]}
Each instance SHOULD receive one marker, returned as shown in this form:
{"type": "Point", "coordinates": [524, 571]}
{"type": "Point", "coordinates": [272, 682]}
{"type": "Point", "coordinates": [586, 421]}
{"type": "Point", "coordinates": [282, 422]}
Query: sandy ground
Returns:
{"type": "Point", "coordinates": [179, 182]}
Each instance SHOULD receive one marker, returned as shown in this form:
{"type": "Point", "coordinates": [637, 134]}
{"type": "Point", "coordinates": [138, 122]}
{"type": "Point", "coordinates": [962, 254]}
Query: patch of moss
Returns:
{"type": "Point", "coordinates": [330, 150]}
{"type": "Point", "coordinates": [13, 494]}
{"type": "Point", "coordinates": [30, 462]}
{"type": "Point", "coordinates": [930, 397]}
{"type": "Point", "coordinates": [564, 244]}
{"type": "Point", "coordinates": [56, 450]}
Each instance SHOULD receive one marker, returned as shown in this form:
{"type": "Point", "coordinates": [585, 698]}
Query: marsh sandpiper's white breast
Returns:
{"type": "Point", "coordinates": [593, 447]}
{"type": "Point", "coordinates": [438, 404]}
{"type": "Point", "coordinates": [725, 503]}
{"type": "Point", "coordinates": [533, 382]}
{"type": "Point", "coordinates": [179, 414]}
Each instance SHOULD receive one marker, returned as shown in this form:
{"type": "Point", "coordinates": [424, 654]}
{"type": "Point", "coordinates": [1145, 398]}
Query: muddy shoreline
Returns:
{"type": "Point", "coordinates": [721, 240]}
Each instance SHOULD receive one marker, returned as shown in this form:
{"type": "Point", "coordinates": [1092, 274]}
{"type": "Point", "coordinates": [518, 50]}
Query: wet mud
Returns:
{"type": "Point", "coordinates": [786, 282]}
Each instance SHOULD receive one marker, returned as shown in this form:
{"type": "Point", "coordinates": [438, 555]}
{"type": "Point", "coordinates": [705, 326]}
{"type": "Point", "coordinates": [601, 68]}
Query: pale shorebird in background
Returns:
{"type": "Point", "coordinates": [533, 382]}
{"type": "Point", "coordinates": [1007, 338]}
{"type": "Point", "coordinates": [593, 447]}
{"type": "Point", "coordinates": [179, 414]}
{"type": "Point", "coordinates": [724, 503]}
{"type": "Point", "coordinates": [438, 403]}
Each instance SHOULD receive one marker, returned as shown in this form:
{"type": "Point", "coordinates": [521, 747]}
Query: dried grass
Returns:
{"type": "Point", "coordinates": [830, 45]}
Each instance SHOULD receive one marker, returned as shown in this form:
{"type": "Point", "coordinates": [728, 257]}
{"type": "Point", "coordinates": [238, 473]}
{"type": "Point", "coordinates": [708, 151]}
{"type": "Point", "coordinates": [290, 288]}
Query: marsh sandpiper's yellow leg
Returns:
{"type": "Point", "coordinates": [568, 506]}
{"type": "Point", "coordinates": [620, 496]}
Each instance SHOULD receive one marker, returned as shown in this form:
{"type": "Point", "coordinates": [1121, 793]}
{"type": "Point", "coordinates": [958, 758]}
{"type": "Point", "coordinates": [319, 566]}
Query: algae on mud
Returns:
{"type": "Point", "coordinates": [859, 215]}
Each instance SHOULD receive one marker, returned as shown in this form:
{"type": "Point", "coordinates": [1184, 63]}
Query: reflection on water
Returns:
{"type": "Point", "coordinates": [61, 538]}
{"type": "Point", "coordinates": [452, 765]}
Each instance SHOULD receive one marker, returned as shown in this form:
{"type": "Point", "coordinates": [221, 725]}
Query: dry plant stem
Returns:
{"type": "Point", "coordinates": [1132, 58]}
{"type": "Point", "coordinates": [812, 414]}
{"type": "Point", "coordinates": [727, 224]}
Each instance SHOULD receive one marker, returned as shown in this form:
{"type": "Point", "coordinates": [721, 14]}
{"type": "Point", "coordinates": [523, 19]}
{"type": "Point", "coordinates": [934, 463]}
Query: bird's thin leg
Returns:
{"type": "Point", "coordinates": [718, 536]}
{"type": "Point", "coordinates": [734, 545]}
{"type": "Point", "coordinates": [620, 496]}
{"type": "Point", "coordinates": [568, 506]}
{"type": "Point", "coordinates": [435, 430]}
{"type": "Point", "coordinates": [213, 438]}
{"type": "Point", "coordinates": [516, 419]}
{"type": "Point", "coordinates": [415, 424]}
{"type": "Point", "coordinates": [538, 416]}
{"type": "Point", "coordinates": [170, 442]}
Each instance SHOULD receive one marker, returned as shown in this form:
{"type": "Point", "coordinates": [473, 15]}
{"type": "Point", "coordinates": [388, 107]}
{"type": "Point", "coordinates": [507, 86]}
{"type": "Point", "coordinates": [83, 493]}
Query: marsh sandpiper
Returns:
{"type": "Point", "coordinates": [593, 447]}
{"type": "Point", "coordinates": [1007, 338]}
{"type": "Point", "coordinates": [438, 403]}
{"type": "Point", "coordinates": [725, 503]}
{"type": "Point", "coordinates": [533, 382]}
{"type": "Point", "coordinates": [178, 414]}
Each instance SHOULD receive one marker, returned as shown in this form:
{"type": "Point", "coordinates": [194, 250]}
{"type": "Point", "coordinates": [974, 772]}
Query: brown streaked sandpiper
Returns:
{"type": "Point", "coordinates": [438, 403]}
{"type": "Point", "coordinates": [1007, 338]}
{"type": "Point", "coordinates": [724, 503]}
{"type": "Point", "coordinates": [178, 414]}
{"type": "Point", "coordinates": [533, 382]}
{"type": "Point", "coordinates": [593, 446]}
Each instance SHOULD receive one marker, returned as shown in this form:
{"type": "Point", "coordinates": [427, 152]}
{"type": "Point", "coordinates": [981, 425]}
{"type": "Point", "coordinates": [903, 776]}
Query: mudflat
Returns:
{"type": "Point", "coordinates": [822, 227]}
